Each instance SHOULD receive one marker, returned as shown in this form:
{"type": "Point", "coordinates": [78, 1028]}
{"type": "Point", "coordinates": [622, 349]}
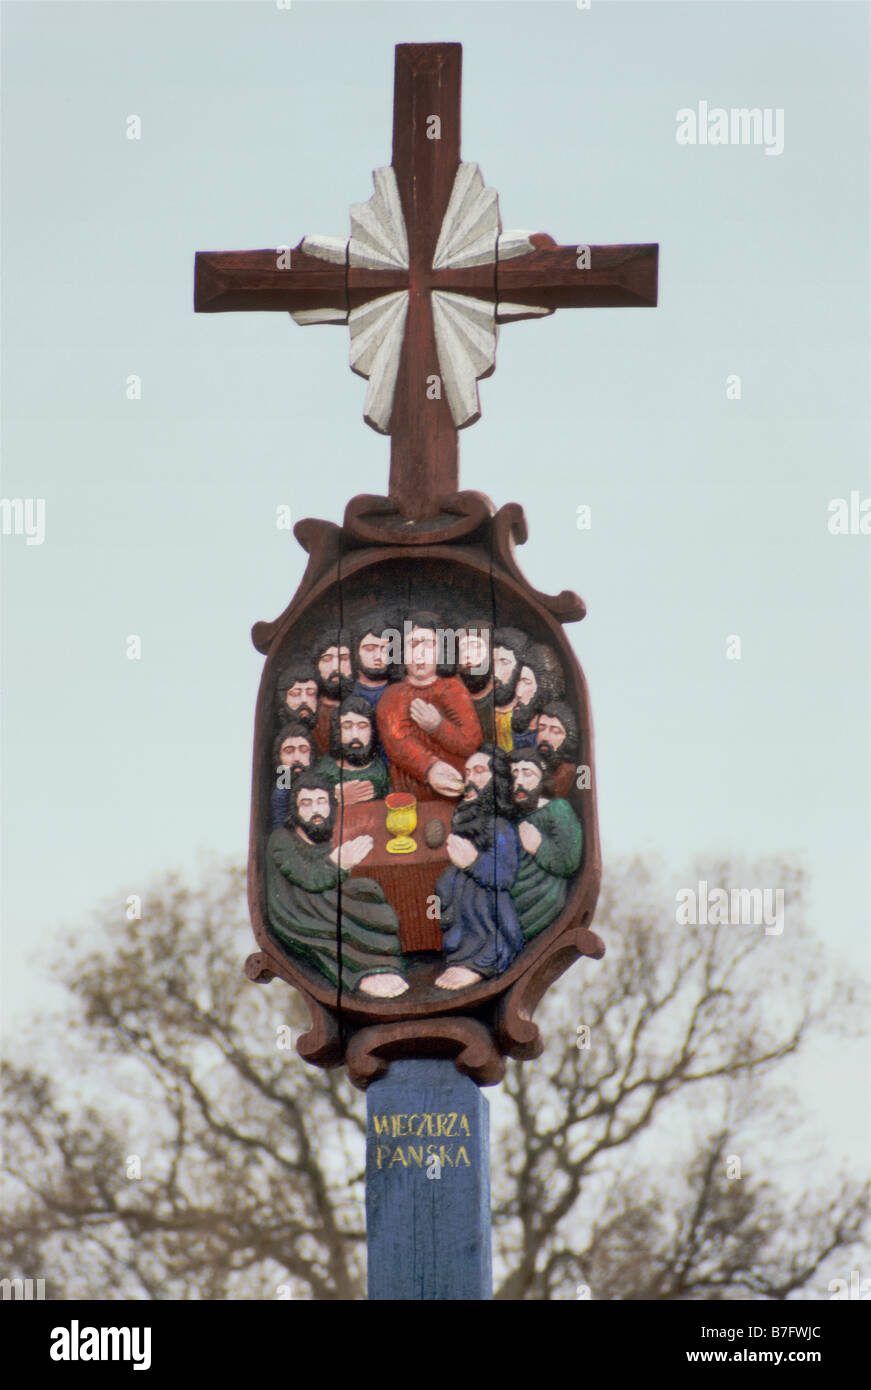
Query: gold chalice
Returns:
{"type": "Point", "coordinates": [401, 818]}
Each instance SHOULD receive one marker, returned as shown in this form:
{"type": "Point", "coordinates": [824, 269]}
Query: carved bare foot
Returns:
{"type": "Point", "coordinates": [383, 986]}
{"type": "Point", "coordinates": [457, 977]}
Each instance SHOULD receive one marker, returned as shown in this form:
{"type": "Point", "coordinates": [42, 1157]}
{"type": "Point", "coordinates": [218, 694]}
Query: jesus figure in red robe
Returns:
{"type": "Point", "coordinates": [427, 723]}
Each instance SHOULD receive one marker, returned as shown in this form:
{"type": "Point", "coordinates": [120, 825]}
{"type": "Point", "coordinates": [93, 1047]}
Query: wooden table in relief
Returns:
{"type": "Point", "coordinates": [408, 880]}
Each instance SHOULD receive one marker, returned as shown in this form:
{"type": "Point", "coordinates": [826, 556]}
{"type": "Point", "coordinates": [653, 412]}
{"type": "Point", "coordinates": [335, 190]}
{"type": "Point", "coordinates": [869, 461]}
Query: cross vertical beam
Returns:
{"type": "Point", "coordinates": [424, 455]}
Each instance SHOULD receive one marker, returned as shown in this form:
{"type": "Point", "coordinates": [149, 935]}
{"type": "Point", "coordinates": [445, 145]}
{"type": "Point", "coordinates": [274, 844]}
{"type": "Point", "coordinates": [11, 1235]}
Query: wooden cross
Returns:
{"type": "Point", "coordinates": [424, 279]}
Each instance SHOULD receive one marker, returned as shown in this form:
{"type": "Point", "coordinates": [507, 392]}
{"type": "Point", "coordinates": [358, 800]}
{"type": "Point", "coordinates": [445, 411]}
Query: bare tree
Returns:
{"type": "Point", "coordinates": [164, 1140]}
{"type": "Point", "coordinates": [677, 1022]}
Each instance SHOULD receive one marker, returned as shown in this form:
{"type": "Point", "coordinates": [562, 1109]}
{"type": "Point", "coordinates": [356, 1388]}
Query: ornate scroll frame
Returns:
{"type": "Point", "coordinates": [482, 1025]}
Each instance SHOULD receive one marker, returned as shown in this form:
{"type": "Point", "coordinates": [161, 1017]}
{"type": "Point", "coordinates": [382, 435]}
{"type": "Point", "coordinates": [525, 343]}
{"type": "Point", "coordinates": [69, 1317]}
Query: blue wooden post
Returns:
{"type": "Point", "coordinates": [428, 1184]}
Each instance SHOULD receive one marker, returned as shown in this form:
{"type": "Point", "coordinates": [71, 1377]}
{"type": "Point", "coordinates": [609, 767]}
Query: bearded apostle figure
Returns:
{"type": "Point", "coordinates": [370, 656]}
{"type": "Point", "coordinates": [293, 751]}
{"type": "Point", "coordinates": [332, 657]}
{"type": "Point", "coordinates": [427, 722]}
{"type": "Point", "coordinates": [556, 739]}
{"type": "Point", "coordinates": [481, 925]}
{"type": "Point", "coordinates": [550, 845]}
{"type": "Point", "coordinates": [540, 681]}
{"type": "Point", "coordinates": [474, 645]}
{"type": "Point", "coordinates": [296, 695]}
{"type": "Point", "coordinates": [509, 655]}
{"type": "Point", "coordinates": [308, 915]}
{"type": "Point", "coordinates": [355, 769]}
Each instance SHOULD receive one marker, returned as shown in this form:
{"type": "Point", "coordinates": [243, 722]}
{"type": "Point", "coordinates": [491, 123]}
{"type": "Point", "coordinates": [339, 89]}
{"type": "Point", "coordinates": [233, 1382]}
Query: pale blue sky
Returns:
{"type": "Point", "coordinates": [709, 516]}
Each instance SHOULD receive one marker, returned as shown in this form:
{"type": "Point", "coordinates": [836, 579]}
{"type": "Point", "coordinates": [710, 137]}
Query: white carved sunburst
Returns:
{"type": "Point", "coordinates": [377, 331]}
{"type": "Point", "coordinates": [471, 223]}
{"type": "Point", "coordinates": [465, 327]}
{"type": "Point", "coordinates": [378, 236]}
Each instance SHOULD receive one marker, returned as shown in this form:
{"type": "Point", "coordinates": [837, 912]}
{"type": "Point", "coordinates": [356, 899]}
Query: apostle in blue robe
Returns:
{"type": "Point", "coordinates": [293, 752]}
{"type": "Point", "coordinates": [480, 924]}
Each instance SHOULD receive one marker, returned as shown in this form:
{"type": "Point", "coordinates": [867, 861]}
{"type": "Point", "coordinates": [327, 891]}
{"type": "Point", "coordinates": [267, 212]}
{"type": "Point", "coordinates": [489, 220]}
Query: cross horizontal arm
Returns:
{"type": "Point", "coordinates": [231, 280]}
{"type": "Point", "coordinates": [617, 276]}
{"type": "Point", "coordinates": [548, 278]}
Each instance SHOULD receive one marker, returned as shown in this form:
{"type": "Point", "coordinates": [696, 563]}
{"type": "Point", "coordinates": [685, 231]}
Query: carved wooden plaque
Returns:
{"type": "Point", "coordinates": [424, 855]}
{"type": "Point", "coordinates": [458, 567]}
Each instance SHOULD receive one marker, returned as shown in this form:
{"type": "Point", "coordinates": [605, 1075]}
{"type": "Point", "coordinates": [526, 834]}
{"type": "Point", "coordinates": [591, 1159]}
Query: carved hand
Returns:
{"type": "Point", "coordinates": [530, 838]}
{"type": "Point", "coordinates": [351, 792]}
{"type": "Point", "coordinates": [461, 851]}
{"type": "Point", "coordinates": [445, 779]}
{"type": "Point", "coordinates": [352, 851]}
{"type": "Point", "coordinates": [425, 715]}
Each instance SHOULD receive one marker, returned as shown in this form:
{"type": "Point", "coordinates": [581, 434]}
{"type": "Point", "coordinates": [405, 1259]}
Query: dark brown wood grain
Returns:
{"type": "Point", "coordinates": [468, 1042]}
{"type": "Point", "coordinates": [548, 278]}
{"type": "Point", "coordinates": [226, 281]}
{"type": "Point", "coordinates": [618, 276]}
{"type": "Point", "coordinates": [423, 450]}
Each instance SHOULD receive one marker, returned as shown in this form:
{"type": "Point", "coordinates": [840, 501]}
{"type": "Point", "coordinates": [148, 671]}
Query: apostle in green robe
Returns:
{"type": "Point", "coordinates": [550, 845]}
{"type": "Point", "coordinates": [308, 913]}
{"type": "Point", "coordinates": [353, 766]}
